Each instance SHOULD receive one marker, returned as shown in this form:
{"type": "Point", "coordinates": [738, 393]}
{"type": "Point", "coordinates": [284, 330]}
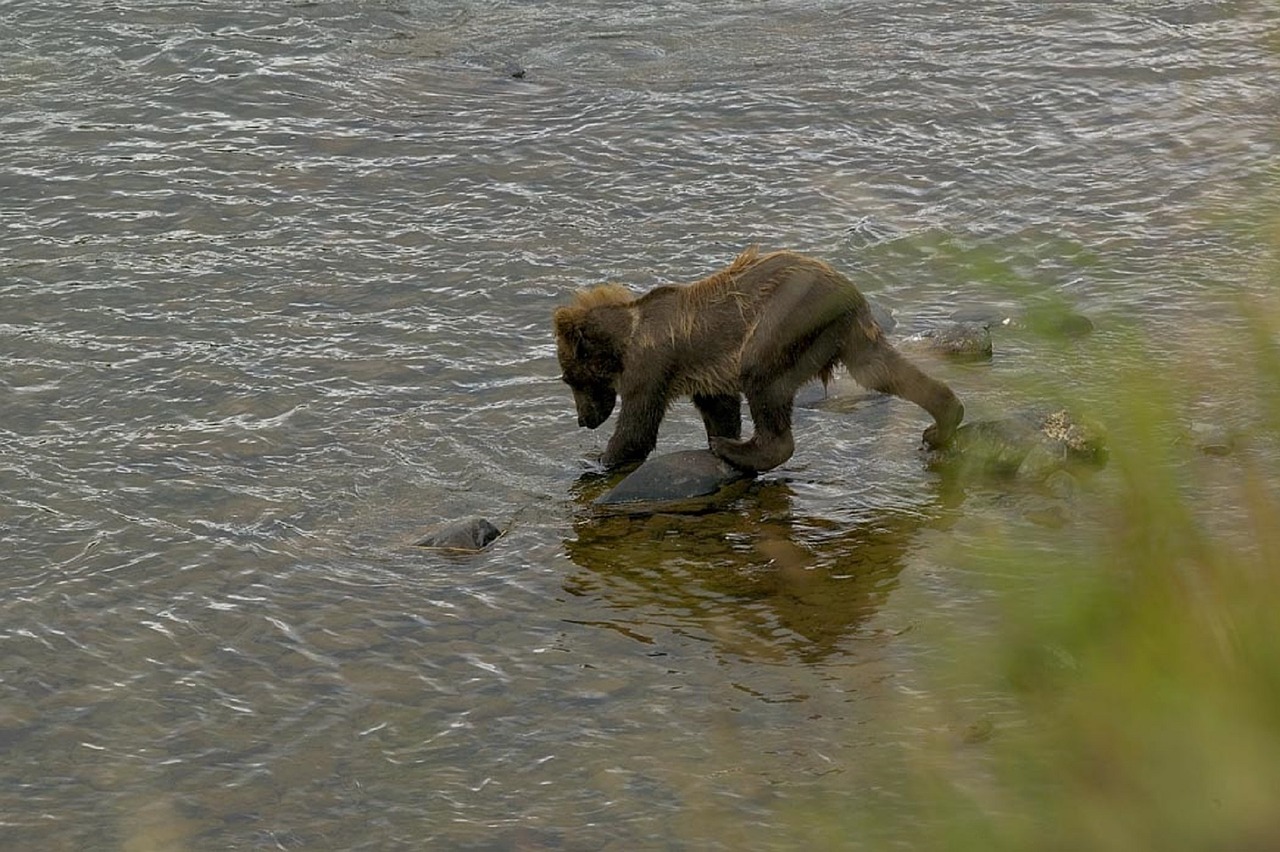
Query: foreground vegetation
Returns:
{"type": "Point", "coordinates": [1143, 664]}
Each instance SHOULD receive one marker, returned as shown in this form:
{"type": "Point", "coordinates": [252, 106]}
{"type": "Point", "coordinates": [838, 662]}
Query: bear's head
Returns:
{"type": "Point", "coordinates": [591, 343]}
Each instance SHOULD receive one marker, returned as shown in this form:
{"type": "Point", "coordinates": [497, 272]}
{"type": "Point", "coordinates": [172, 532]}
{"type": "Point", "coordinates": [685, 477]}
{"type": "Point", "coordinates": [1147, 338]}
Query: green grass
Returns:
{"type": "Point", "coordinates": [1142, 665]}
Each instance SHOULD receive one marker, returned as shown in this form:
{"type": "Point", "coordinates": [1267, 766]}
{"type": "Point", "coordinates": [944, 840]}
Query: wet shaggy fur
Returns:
{"type": "Point", "coordinates": [759, 328]}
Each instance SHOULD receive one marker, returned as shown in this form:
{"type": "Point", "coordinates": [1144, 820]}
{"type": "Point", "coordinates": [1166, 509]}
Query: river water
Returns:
{"type": "Point", "coordinates": [275, 288]}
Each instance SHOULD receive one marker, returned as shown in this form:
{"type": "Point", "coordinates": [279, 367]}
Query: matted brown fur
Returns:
{"type": "Point", "coordinates": [601, 295]}
{"type": "Point", "coordinates": [694, 315]}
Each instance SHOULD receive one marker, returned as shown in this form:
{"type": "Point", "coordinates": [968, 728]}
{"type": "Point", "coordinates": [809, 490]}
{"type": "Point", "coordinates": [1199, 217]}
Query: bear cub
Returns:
{"type": "Point", "coordinates": [759, 328]}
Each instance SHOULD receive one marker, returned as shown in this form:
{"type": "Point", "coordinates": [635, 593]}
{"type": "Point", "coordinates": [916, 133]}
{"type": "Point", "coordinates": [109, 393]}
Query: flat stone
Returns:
{"type": "Point", "coordinates": [672, 482]}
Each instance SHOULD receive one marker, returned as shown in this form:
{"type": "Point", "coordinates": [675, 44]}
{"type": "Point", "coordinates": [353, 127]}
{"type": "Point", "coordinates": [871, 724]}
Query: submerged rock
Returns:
{"type": "Point", "coordinates": [1057, 321]}
{"type": "Point", "coordinates": [1073, 325]}
{"type": "Point", "coordinates": [468, 534]}
{"type": "Point", "coordinates": [962, 341]}
{"type": "Point", "coordinates": [672, 482]}
{"type": "Point", "coordinates": [980, 314]}
{"type": "Point", "coordinates": [1212, 439]}
{"type": "Point", "coordinates": [1034, 445]}
{"type": "Point", "coordinates": [1048, 320]}
{"type": "Point", "coordinates": [883, 316]}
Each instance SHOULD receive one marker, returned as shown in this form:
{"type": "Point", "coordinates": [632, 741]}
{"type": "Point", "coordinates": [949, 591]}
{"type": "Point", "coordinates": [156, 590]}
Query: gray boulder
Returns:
{"type": "Point", "coordinates": [883, 316]}
{"type": "Point", "coordinates": [468, 534]}
{"type": "Point", "coordinates": [1032, 444]}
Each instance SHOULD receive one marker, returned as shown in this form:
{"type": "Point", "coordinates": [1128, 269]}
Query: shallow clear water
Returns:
{"type": "Point", "coordinates": [275, 287]}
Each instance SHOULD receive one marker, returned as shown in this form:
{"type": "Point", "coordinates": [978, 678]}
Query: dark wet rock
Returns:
{"type": "Point", "coordinates": [1031, 445]}
{"type": "Point", "coordinates": [1046, 457]}
{"type": "Point", "coordinates": [961, 341]}
{"type": "Point", "coordinates": [1076, 439]}
{"type": "Point", "coordinates": [846, 399]}
{"type": "Point", "coordinates": [672, 482]}
{"type": "Point", "coordinates": [883, 316]}
{"type": "Point", "coordinates": [466, 534]}
{"type": "Point", "coordinates": [1062, 485]}
{"type": "Point", "coordinates": [514, 71]}
{"type": "Point", "coordinates": [1212, 439]}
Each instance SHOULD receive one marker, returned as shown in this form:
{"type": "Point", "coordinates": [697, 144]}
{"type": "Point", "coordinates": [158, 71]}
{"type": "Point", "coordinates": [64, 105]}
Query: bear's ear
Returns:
{"type": "Point", "coordinates": [569, 324]}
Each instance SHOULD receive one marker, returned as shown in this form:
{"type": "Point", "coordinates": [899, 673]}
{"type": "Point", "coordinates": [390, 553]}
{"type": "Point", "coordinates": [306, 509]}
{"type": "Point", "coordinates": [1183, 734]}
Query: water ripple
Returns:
{"type": "Point", "coordinates": [275, 283]}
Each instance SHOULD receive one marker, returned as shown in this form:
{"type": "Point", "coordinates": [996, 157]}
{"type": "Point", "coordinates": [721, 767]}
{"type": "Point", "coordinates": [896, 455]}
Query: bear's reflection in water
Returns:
{"type": "Point", "coordinates": [756, 579]}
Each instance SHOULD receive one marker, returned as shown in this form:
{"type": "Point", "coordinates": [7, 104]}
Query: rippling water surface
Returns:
{"type": "Point", "coordinates": [275, 282]}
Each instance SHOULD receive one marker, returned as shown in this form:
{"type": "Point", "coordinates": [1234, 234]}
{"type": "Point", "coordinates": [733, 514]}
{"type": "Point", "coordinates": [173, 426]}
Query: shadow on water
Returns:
{"type": "Point", "coordinates": [758, 580]}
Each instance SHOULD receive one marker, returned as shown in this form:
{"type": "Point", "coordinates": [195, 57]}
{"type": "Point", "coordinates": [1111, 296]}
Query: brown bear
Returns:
{"type": "Point", "coordinates": [759, 328]}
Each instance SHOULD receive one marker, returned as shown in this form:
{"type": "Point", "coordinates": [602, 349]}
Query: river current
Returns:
{"type": "Point", "coordinates": [275, 292]}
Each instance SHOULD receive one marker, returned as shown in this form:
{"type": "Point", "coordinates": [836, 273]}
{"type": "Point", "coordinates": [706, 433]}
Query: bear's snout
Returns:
{"type": "Point", "coordinates": [594, 406]}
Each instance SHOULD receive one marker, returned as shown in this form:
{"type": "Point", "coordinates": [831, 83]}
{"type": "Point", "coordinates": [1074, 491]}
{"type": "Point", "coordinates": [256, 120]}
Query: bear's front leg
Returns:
{"type": "Point", "coordinates": [636, 434]}
{"type": "Point", "coordinates": [770, 399]}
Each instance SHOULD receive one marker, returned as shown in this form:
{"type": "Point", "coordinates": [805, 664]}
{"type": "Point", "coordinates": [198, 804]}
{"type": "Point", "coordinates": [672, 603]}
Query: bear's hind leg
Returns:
{"type": "Point", "coordinates": [771, 444]}
{"type": "Point", "coordinates": [878, 366]}
{"type": "Point", "coordinates": [771, 375]}
{"type": "Point", "coordinates": [721, 414]}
